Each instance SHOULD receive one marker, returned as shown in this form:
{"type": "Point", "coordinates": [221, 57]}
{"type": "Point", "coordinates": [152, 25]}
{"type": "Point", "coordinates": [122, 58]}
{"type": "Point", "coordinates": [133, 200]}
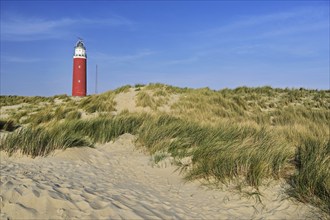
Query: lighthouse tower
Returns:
{"type": "Point", "coordinates": [79, 81]}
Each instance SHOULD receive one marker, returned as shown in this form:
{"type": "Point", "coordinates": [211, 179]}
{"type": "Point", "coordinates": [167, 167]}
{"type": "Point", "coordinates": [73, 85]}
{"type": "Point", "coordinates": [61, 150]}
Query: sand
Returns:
{"type": "Point", "coordinates": [117, 181]}
{"type": "Point", "coordinates": [127, 101]}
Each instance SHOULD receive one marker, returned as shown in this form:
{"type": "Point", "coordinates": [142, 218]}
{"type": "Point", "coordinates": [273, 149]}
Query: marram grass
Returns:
{"type": "Point", "coordinates": [248, 134]}
{"type": "Point", "coordinates": [8, 125]}
{"type": "Point", "coordinates": [221, 152]}
{"type": "Point", "coordinates": [40, 141]}
{"type": "Point", "coordinates": [311, 182]}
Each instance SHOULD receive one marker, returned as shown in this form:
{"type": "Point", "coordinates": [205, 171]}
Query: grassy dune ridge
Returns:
{"type": "Point", "coordinates": [245, 134]}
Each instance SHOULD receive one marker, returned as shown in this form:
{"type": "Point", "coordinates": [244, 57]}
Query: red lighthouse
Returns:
{"type": "Point", "coordinates": [79, 81]}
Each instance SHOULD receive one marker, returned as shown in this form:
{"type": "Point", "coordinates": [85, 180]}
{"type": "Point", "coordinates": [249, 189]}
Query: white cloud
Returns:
{"type": "Point", "coordinates": [280, 23]}
{"type": "Point", "coordinates": [19, 28]}
{"type": "Point", "coordinates": [286, 30]}
{"type": "Point", "coordinates": [121, 58]}
{"type": "Point", "coordinates": [112, 21]}
{"type": "Point", "coordinates": [182, 61]}
{"type": "Point", "coordinates": [14, 59]}
{"type": "Point", "coordinates": [268, 48]}
{"type": "Point", "coordinates": [275, 32]}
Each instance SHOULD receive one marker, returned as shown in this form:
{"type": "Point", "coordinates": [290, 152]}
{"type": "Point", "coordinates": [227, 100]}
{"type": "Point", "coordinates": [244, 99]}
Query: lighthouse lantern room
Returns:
{"type": "Point", "coordinates": [79, 81]}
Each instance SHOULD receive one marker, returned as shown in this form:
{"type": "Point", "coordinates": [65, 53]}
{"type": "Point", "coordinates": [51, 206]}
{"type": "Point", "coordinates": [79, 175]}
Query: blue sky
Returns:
{"type": "Point", "coordinates": [216, 44]}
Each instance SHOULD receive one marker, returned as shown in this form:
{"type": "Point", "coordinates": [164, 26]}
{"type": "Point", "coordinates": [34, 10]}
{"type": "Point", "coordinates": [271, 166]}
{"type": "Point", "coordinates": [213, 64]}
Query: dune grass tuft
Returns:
{"type": "Point", "coordinates": [311, 183]}
{"type": "Point", "coordinates": [40, 141]}
{"type": "Point", "coordinates": [102, 129]}
{"type": "Point", "coordinates": [98, 103]}
{"type": "Point", "coordinates": [144, 99]}
{"type": "Point", "coordinates": [122, 89]}
{"type": "Point", "coordinates": [8, 125]}
{"type": "Point", "coordinates": [15, 100]}
{"type": "Point", "coordinates": [221, 152]}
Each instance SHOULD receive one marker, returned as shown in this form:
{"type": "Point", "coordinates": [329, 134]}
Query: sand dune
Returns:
{"type": "Point", "coordinates": [116, 181]}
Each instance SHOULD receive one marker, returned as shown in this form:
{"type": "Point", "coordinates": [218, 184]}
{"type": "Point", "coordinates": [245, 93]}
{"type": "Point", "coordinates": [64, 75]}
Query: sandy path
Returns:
{"type": "Point", "coordinates": [114, 181]}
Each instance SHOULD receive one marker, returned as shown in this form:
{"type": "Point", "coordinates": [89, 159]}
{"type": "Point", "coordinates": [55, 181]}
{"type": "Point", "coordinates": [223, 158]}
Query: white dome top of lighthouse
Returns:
{"type": "Point", "coordinates": [80, 50]}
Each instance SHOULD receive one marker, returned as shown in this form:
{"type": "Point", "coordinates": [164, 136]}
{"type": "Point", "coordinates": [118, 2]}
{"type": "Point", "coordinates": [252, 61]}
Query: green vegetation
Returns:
{"type": "Point", "coordinates": [15, 100]}
{"type": "Point", "coordinates": [311, 183]}
{"type": "Point", "coordinates": [40, 141]}
{"type": "Point", "coordinates": [167, 88]}
{"type": "Point", "coordinates": [8, 125]}
{"type": "Point", "coordinates": [36, 141]}
{"type": "Point", "coordinates": [246, 135]}
{"type": "Point", "coordinates": [98, 103]}
{"type": "Point", "coordinates": [154, 96]}
{"type": "Point", "coordinates": [139, 85]}
{"type": "Point", "coordinates": [221, 152]}
{"type": "Point", "coordinates": [73, 115]}
{"type": "Point", "coordinates": [146, 100]}
{"type": "Point", "coordinates": [122, 89]}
